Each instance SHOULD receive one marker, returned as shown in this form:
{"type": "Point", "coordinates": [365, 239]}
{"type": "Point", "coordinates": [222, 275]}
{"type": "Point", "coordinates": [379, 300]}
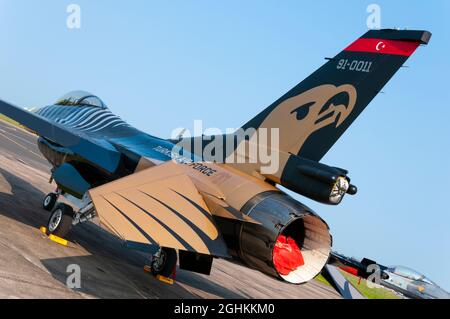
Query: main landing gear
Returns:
{"type": "Point", "coordinates": [61, 220]}
{"type": "Point", "coordinates": [164, 262]}
{"type": "Point", "coordinates": [63, 217]}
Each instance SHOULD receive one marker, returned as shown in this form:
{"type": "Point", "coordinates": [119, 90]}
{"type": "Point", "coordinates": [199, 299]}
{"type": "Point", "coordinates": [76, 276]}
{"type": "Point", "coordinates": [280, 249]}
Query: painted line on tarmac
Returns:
{"type": "Point", "coordinates": [20, 145]}
{"type": "Point", "coordinates": [18, 137]}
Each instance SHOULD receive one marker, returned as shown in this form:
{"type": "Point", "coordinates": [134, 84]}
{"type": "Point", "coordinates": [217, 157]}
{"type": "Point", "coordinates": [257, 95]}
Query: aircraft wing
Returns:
{"type": "Point", "coordinates": [159, 206]}
{"type": "Point", "coordinates": [101, 153]}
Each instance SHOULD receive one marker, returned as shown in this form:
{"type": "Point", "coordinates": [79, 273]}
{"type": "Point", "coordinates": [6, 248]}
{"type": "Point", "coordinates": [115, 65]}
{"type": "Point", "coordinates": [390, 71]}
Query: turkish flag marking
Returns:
{"type": "Point", "coordinates": [381, 46]}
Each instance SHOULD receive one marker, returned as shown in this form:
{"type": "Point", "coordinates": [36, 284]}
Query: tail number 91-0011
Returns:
{"type": "Point", "coordinates": [355, 65]}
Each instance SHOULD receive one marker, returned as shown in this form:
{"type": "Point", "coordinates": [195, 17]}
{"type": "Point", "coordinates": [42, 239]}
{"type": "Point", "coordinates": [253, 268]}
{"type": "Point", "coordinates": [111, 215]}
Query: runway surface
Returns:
{"type": "Point", "coordinates": [31, 266]}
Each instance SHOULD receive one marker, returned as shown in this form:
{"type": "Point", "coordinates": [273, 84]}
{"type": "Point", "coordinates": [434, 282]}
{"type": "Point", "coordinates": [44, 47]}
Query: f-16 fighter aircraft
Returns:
{"type": "Point", "coordinates": [153, 192]}
{"type": "Point", "coordinates": [403, 280]}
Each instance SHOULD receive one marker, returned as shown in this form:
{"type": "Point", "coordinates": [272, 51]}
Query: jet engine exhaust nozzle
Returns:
{"type": "Point", "coordinates": [291, 242]}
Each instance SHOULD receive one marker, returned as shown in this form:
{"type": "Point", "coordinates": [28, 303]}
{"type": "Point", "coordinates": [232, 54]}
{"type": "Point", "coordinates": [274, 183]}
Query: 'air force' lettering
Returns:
{"type": "Point", "coordinates": [200, 167]}
{"type": "Point", "coordinates": [204, 169]}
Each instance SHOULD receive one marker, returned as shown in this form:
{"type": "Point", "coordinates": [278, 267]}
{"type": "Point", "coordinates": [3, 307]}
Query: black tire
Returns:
{"type": "Point", "coordinates": [49, 201]}
{"type": "Point", "coordinates": [169, 263]}
{"type": "Point", "coordinates": [60, 221]}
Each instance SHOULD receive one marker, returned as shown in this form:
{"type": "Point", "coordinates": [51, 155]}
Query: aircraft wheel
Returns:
{"type": "Point", "coordinates": [49, 201]}
{"type": "Point", "coordinates": [60, 221]}
{"type": "Point", "coordinates": [164, 262]}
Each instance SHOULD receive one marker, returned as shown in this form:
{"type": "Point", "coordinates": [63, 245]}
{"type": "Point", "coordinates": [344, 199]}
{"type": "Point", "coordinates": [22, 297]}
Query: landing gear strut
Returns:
{"type": "Point", "coordinates": [164, 262]}
{"type": "Point", "coordinates": [63, 218]}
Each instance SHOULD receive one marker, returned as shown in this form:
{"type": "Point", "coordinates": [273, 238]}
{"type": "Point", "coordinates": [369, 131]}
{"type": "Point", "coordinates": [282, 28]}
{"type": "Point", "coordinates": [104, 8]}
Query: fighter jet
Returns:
{"type": "Point", "coordinates": [154, 192]}
{"type": "Point", "coordinates": [403, 280]}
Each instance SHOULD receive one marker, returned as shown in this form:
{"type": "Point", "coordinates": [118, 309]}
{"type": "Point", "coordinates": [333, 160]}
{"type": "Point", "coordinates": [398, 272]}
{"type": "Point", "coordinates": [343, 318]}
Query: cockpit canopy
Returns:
{"type": "Point", "coordinates": [81, 98]}
{"type": "Point", "coordinates": [409, 273]}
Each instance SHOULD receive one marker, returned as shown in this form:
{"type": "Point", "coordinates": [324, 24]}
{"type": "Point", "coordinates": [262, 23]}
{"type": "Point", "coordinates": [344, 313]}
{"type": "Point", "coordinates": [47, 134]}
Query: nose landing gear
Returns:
{"type": "Point", "coordinates": [49, 201]}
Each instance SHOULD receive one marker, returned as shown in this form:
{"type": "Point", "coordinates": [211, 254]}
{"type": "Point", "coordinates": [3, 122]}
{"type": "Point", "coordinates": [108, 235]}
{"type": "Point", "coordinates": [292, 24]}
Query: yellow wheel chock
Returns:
{"type": "Point", "coordinates": [54, 238]}
{"type": "Point", "coordinates": [166, 280]}
{"type": "Point", "coordinates": [163, 279]}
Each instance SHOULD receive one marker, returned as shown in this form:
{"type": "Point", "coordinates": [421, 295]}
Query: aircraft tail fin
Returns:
{"type": "Point", "coordinates": [314, 114]}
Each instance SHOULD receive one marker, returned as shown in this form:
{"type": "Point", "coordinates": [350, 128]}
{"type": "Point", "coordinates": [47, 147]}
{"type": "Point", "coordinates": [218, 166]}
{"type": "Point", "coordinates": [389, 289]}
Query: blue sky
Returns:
{"type": "Point", "coordinates": [162, 65]}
